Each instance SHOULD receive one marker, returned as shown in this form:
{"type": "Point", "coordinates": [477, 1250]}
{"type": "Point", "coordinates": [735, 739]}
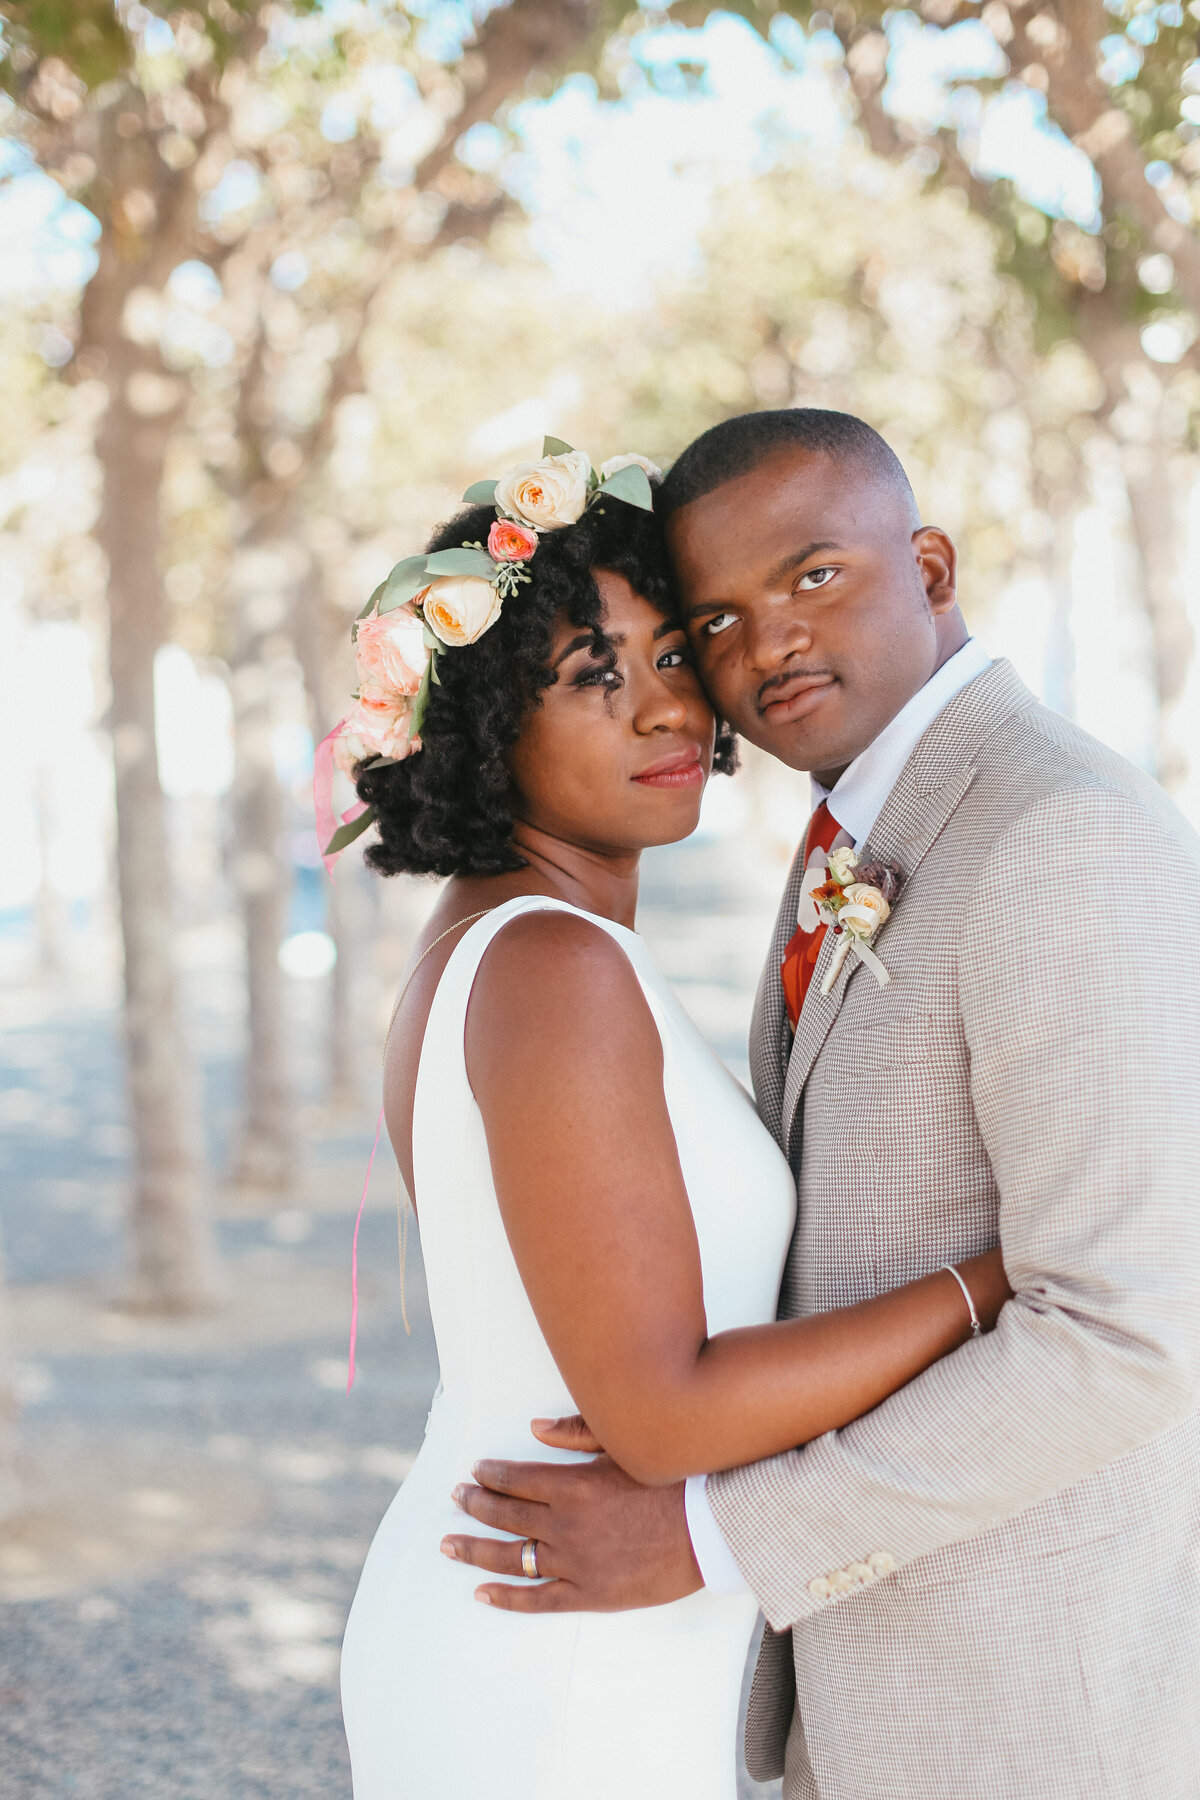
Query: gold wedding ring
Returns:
{"type": "Point", "coordinates": [529, 1559]}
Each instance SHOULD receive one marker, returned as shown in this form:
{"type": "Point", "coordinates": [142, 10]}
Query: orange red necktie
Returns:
{"type": "Point", "coordinates": [800, 957]}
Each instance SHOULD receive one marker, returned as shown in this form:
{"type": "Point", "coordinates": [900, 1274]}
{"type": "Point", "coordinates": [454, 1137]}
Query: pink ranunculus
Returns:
{"type": "Point", "coordinates": [390, 651]}
{"type": "Point", "coordinates": [510, 542]}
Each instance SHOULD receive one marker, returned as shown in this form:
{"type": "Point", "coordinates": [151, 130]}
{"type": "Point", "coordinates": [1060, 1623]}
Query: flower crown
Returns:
{"type": "Point", "coordinates": [447, 599]}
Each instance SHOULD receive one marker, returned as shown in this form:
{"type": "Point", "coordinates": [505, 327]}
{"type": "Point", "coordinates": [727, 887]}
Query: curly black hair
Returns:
{"type": "Point", "coordinates": [449, 809]}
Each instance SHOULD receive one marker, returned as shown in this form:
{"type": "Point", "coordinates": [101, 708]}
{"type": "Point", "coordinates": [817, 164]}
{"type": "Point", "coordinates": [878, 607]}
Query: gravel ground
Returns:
{"type": "Point", "coordinates": [201, 1495]}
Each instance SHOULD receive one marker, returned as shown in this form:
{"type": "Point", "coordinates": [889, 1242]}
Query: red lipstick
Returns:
{"type": "Point", "coordinates": [681, 769]}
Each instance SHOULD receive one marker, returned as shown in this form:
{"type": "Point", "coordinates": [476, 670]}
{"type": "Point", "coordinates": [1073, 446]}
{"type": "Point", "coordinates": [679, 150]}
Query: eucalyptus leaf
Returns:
{"type": "Point", "coordinates": [462, 561]}
{"type": "Point", "coordinates": [369, 608]}
{"type": "Point", "coordinates": [431, 640]}
{"type": "Point", "coordinates": [481, 493]}
{"type": "Point", "coordinates": [346, 834]}
{"type": "Point", "coordinates": [631, 484]}
{"type": "Point", "coordinates": [406, 579]}
{"type": "Point", "coordinates": [556, 447]}
{"type": "Point", "coordinates": [433, 674]}
{"type": "Point", "coordinates": [421, 703]}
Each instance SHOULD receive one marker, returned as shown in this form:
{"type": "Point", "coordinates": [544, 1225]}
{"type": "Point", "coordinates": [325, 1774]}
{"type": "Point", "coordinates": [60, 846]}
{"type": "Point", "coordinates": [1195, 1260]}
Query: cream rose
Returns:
{"type": "Point", "coordinates": [391, 652]}
{"type": "Point", "coordinates": [842, 862]}
{"type": "Point", "coordinates": [616, 463]}
{"type": "Point", "coordinates": [549, 493]}
{"type": "Point", "coordinates": [865, 910]}
{"type": "Point", "coordinates": [378, 726]}
{"type": "Point", "coordinates": [349, 749]}
{"type": "Point", "coordinates": [460, 608]}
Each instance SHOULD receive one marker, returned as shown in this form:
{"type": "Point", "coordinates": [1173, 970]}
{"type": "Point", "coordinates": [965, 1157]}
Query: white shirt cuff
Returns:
{"type": "Point", "coordinates": [719, 1571]}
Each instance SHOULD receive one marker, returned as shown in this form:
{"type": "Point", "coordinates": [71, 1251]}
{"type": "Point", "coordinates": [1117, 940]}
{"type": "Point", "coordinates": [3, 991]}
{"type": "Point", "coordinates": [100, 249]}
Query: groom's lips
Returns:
{"type": "Point", "coordinates": [794, 699]}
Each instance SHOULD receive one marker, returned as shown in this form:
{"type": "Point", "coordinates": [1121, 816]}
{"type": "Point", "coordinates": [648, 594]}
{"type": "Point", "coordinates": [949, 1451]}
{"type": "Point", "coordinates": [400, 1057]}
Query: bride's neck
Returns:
{"type": "Point", "coordinates": [594, 880]}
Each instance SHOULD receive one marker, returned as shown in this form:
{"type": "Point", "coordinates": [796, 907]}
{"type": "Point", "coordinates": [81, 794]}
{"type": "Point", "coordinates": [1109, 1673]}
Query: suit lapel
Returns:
{"type": "Point", "coordinates": [768, 1025]}
{"type": "Point", "coordinates": [932, 784]}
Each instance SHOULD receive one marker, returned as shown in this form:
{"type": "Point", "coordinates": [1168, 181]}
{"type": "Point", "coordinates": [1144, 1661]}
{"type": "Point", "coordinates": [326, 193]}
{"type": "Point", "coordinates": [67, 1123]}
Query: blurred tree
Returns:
{"type": "Point", "coordinates": [850, 283]}
{"type": "Point", "coordinates": [10, 1487]}
{"type": "Point", "coordinates": [358, 181]}
{"type": "Point", "coordinates": [170, 125]}
{"type": "Point", "coordinates": [1120, 81]}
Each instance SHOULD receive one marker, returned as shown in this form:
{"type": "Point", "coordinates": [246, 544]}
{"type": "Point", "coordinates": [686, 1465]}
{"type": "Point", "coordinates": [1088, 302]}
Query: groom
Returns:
{"type": "Point", "coordinates": [988, 1588]}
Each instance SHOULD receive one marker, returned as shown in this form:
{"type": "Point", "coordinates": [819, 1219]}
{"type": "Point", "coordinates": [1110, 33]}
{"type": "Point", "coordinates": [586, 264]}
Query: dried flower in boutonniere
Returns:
{"type": "Point", "coordinates": [854, 900]}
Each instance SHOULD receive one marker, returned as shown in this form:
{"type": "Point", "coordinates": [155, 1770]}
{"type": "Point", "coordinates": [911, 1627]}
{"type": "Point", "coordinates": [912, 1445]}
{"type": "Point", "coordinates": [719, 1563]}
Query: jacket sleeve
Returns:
{"type": "Point", "coordinates": [1079, 983]}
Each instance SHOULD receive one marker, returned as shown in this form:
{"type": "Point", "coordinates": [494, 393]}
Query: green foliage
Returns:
{"type": "Point", "coordinates": [346, 834]}
{"type": "Point", "coordinates": [89, 38]}
{"type": "Point", "coordinates": [463, 561]}
{"type": "Point", "coordinates": [405, 580]}
{"type": "Point", "coordinates": [632, 485]}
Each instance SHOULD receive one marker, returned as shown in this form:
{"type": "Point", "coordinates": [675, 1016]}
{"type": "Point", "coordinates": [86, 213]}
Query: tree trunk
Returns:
{"type": "Point", "coordinates": [266, 1154]}
{"type": "Point", "coordinates": [1134, 409]}
{"type": "Point", "coordinates": [1155, 529]}
{"type": "Point", "coordinates": [174, 1260]}
{"type": "Point", "coordinates": [51, 907]}
{"type": "Point", "coordinates": [320, 629]}
{"type": "Point", "coordinates": [10, 1487]}
{"type": "Point", "coordinates": [349, 925]}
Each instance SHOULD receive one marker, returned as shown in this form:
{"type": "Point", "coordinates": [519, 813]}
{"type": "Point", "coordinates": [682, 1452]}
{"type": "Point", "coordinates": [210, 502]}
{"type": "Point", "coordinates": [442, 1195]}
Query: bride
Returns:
{"type": "Point", "coordinates": [603, 1218]}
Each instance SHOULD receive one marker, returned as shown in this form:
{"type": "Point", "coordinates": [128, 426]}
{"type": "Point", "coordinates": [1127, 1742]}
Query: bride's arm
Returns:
{"type": "Point", "coordinates": [566, 1063]}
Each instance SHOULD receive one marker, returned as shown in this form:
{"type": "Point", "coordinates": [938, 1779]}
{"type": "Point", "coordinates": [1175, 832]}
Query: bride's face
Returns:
{"type": "Point", "coordinates": [617, 755]}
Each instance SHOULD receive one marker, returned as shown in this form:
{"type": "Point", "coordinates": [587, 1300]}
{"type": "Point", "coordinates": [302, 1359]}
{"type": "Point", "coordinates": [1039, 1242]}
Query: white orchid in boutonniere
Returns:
{"type": "Point", "coordinates": [854, 900]}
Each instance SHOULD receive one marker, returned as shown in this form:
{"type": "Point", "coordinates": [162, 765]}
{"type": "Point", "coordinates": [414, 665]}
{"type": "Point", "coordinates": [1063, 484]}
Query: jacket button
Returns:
{"type": "Point", "coordinates": [841, 1581]}
{"type": "Point", "coordinates": [881, 1562]}
{"type": "Point", "coordinates": [820, 1588]}
{"type": "Point", "coordinates": [860, 1571]}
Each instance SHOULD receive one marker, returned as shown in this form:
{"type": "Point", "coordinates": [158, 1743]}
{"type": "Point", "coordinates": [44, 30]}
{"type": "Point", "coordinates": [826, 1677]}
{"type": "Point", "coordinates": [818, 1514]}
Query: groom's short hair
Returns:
{"type": "Point", "coordinates": [738, 445]}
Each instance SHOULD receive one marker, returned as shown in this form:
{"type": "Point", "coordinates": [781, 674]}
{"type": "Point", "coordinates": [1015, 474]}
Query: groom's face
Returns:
{"type": "Point", "coordinates": [815, 603]}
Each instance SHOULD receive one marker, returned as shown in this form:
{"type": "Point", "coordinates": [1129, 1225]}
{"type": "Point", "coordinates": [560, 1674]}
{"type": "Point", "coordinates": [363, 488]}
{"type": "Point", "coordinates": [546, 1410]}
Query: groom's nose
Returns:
{"type": "Point", "coordinates": [776, 632]}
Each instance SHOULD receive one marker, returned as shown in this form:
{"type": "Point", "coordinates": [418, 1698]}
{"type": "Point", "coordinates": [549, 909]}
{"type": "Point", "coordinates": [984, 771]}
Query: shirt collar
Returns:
{"type": "Point", "coordinates": [857, 799]}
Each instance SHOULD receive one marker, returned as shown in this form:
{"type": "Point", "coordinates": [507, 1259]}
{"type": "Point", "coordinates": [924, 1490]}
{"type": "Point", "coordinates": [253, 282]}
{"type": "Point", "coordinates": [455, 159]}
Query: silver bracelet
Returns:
{"type": "Point", "coordinates": [976, 1327]}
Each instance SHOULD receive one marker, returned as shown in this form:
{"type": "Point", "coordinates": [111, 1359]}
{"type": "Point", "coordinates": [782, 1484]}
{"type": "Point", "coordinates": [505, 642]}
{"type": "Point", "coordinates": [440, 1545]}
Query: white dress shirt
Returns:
{"type": "Point", "coordinates": [856, 801]}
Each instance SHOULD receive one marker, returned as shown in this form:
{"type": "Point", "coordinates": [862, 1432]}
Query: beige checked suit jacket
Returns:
{"type": "Point", "coordinates": [989, 1588]}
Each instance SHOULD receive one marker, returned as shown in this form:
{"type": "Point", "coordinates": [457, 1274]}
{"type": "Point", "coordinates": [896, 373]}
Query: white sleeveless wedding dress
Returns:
{"type": "Point", "coordinates": [445, 1699]}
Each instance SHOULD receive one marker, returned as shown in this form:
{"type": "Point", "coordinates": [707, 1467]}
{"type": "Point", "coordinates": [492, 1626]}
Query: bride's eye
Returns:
{"type": "Point", "coordinates": [815, 578]}
{"type": "Point", "coordinates": [598, 675]}
{"type": "Point", "coordinates": [722, 622]}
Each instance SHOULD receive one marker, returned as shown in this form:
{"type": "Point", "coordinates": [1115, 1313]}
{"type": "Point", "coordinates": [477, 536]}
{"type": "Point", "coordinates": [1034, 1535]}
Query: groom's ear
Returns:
{"type": "Point", "coordinates": [937, 559]}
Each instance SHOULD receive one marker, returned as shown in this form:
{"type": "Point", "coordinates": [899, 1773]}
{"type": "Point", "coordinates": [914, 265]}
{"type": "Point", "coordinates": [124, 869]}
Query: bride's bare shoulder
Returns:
{"type": "Point", "coordinates": [557, 977]}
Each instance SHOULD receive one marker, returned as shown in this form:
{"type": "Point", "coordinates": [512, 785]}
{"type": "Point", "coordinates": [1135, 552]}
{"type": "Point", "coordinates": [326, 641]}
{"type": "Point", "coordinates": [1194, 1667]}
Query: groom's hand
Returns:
{"type": "Point", "coordinates": [604, 1542]}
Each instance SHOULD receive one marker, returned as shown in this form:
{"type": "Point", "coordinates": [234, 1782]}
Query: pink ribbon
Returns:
{"type": "Point", "coordinates": [354, 1255]}
{"type": "Point", "coordinates": [327, 819]}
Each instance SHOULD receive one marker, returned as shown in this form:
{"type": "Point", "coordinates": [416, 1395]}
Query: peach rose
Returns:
{"type": "Point", "coordinates": [390, 650]}
{"type": "Point", "coordinates": [460, 608]}
{"type": "Point", "coordinates": [616, 463]}
{"type": "Point", "coordinates": [509, 542]}
{"type": "Point", "coordinates": [865, 910]}
{"type": "Point", "coordinates": [549, 493]}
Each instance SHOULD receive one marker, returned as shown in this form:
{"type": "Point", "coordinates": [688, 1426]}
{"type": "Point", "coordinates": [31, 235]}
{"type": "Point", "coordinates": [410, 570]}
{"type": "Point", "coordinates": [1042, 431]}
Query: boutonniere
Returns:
{"type": "Point", "coordinates": [854, 900]}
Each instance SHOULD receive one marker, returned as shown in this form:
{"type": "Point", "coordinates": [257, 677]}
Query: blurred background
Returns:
{"type": "Point", "coordinates": [277, 281]}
